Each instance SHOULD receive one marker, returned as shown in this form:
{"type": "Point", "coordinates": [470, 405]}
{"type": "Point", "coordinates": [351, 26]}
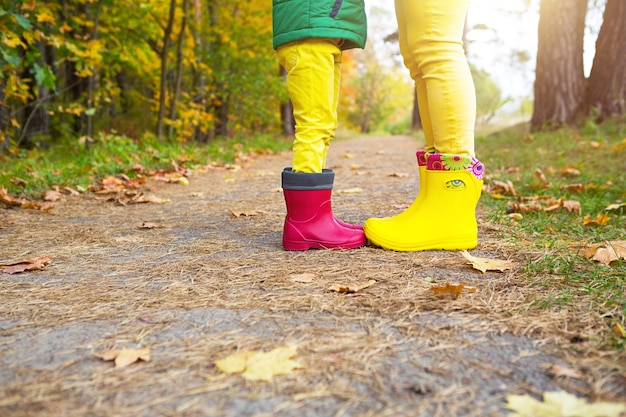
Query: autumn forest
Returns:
{"type": "Point", "coordinates": [193, 70]}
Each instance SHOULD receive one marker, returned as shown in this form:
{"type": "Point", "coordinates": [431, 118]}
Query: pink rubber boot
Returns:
{"type": "Point", "coordinates": [310, 222]}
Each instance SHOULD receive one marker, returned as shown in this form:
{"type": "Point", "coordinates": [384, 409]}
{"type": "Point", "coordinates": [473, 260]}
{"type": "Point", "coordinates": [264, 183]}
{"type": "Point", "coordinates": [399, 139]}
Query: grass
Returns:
{"type": "Point", "coordinates": [591, 155]}
{"type": "Point", "coordinates": [30, 172]}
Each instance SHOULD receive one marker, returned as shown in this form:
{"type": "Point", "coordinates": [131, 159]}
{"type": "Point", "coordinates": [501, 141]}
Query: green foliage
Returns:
{"type": "Point", "coordinates": [79, 67]}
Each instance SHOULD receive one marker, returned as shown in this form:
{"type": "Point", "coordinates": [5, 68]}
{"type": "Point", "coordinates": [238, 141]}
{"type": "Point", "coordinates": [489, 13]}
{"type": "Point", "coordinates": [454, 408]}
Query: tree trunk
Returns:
{"type": "Point", "coordinates": [607, 80]}
{"type": "Point", "coordinates": [5, 142]}
{"type": "Point", "coordinates": [560, 78]}
{"type": "Point", "coordinates": [92, 78]}
{"type": "Point", "coordinates": [163, 91]}
{"type": "Point", "coordinates": [179, 66]}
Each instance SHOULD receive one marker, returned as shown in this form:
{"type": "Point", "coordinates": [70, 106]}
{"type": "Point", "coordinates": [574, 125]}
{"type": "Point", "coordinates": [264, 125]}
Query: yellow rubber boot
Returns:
{"type": "Point", "coordinates": [421, 164]}
{"type": "Point", "coordinates": [445, 218]}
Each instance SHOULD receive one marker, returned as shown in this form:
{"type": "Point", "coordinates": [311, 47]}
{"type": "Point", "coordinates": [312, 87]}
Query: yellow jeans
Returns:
{"type": "Point", "coordinates": [313, 78]}
{"type": "Point", "coordinates": [431, 33]}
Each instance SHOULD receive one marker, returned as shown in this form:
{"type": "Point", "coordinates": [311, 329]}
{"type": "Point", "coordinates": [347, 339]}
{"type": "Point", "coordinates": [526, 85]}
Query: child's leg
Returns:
{"type": "Point", "coordinates": [431, 33]}
{"type": "Point", "coordinates": [311, 67]}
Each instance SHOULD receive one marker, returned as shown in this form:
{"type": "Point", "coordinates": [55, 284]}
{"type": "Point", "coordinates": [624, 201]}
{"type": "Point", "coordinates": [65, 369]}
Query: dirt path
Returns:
{"type": "Point", "coordinates": [205, 284]}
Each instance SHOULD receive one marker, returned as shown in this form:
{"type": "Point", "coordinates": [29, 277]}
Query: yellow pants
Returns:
{"type": "Point", "coordinates": [431, 33]}
{"type": "Point", "coordinates": [313, 78]}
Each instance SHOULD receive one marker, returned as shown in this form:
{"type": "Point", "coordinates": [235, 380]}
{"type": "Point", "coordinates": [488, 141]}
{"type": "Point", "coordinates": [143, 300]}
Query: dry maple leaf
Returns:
{"type": "Point", "coordinates": [570, 171]}
{"type": "Point", "coordinates": [486, 264]}
{"type": "Point", "coordinates": [452, 289]}
{"type": "Point", "coordinates": [559, 371]}
{"type": "Point", "coordinates": [52, 195]}
{"type": "Point", "coordinates": [600, 220]}
{"type": "Point", "coordinates": [35, 264]}
{"type": "Point", "coordinates": [573, 187]}
{"type": "Point", "coordinates": [350, 289]}
{"type": "Point", "coordinates": [9, 200]}
{"type": "Point", "coordinates": [141, 198]}
{"type": "Point", "coordinates": [126, 356]}
{"type": "Point", "coordinates": [148, 226]}
{"type": "Point", "coordinates": [608, 252]}
{"type": "Point", "coordinates": [541, 176]}
{"type": "Point", "coordinates": [506, 188]}
{"type": "Point", "coordinates": [246, 213]}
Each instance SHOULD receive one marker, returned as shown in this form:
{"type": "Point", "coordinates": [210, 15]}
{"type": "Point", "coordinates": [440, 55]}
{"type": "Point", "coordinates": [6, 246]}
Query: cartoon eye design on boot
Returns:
{"type": "Point", "coordinates": [455, 185]}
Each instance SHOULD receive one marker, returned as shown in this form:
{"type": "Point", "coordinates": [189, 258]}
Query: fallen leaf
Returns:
{"type": "Point", "coordinates": [516, 216]}
{"type": "Point", "coordinates": [572, 206]}
{"type": "Point", "coordinates": [148, 226]}
{"type": "Point", "coordinates": [260, 366]}
{"type": "Point", "coordinates": [246, 213]}
{"type": "Point", "coordinates": [71, 191]}
{"type": "Point", "coordinates": [506, 188]}
{"type": "Point", "coordinates": [343, 288]}
{"type": "Point", "coordinates": [570, 171]}
{"type": "Point", "coordinates": [541, 177]}
{"type": "Point", "coordinates": [149, 199]}
{"type": "Point", "coordinates": [35, 264]}
{"type": "Point", "coordinates": [486, 264]}
{"type": "Point", "coordinates": [51, 195]}
{"type": "Point", "coordinates": [18, 182]}
{"type": "Point", "coordinates": [305, 278]}
{"type": "Point", "coordinates": [618, 330]}
{"type": "Point", "coordinates": [126, 356]}
{"type": "Point", "coordinates": [573, 187]}
{"type": "Point", "coordinates": [600, 220]}
{"type": "Point", "coordinates": [561, 404]}
{"type": "Point", "coordinates": [533, 206]}
{"type": "Point", "coordinates": [606, 252]}
{"type": "Point", "coordinates": [399, 175]}
{"type": "Point", "coordinates": [452, 289]}
{"type": "Point", "coordinates": [9, 200]}
{"type": "Point", "coordinates": [171, 178]}
{"type": "Point", "coordinates": [558, 371]}
{"type": "Point", "coordinates": [616, 207]}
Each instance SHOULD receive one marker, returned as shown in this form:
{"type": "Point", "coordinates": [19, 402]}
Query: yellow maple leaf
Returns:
{"type": "Point", "coordinates": [486, 264]}
{"type": "Point", "coordinates": [600, 220]}
{"type": "Point", "coordinates": [561, 404]}
{"type": "Point", "coordinates": [260, 366]}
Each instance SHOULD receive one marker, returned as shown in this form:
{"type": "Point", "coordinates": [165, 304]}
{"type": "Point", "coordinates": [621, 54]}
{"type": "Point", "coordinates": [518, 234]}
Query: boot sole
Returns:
{"type": "Point", "coordinates": [303, 246]}
{"type": "Point", "coordinates": [451, 243]}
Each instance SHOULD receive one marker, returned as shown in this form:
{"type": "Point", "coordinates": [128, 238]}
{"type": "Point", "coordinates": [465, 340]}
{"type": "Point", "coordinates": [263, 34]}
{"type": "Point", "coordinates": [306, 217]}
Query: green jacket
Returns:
{"type": "Point", "coordinates": [294, 20]}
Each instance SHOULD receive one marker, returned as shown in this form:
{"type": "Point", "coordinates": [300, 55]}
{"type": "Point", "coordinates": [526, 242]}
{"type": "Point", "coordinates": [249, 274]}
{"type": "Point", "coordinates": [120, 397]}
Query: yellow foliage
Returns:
{"type": "Point", "coordinates": [12, 40]}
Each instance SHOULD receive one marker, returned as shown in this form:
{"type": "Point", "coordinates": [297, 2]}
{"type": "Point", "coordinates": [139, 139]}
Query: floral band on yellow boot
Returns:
{"type": "Point", "coordinates": [446, 215]}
